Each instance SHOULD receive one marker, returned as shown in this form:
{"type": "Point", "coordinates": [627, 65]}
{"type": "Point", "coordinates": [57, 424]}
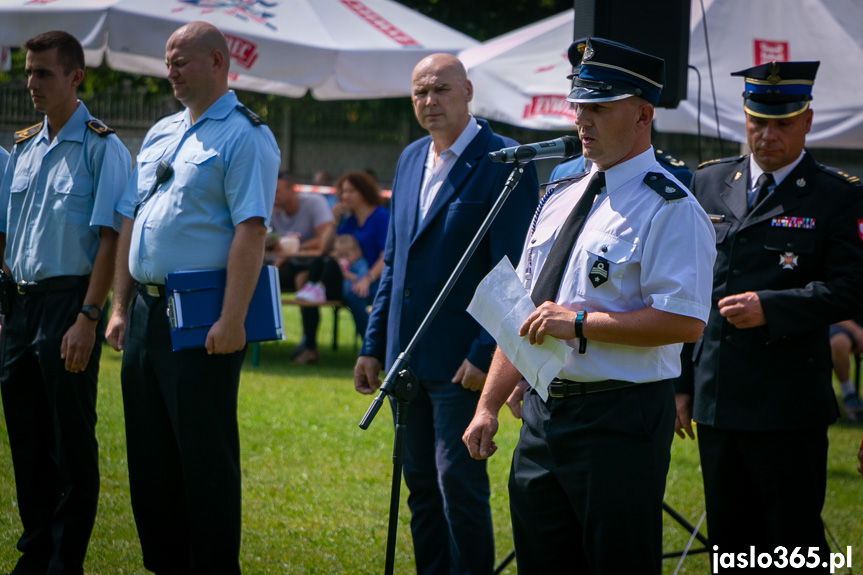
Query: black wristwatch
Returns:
{"type": "Point", "coordinates": [580, 315]}
{"type": "Point", "coordinates": [92, 312]}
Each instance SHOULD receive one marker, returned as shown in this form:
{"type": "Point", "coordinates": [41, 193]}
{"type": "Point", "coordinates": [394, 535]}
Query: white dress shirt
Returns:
{"type": "Point", "coordinates": [659, 253]}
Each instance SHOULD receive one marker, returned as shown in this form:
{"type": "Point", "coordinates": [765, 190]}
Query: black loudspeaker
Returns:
{"type": "Point", "coordinates": [658, 27]}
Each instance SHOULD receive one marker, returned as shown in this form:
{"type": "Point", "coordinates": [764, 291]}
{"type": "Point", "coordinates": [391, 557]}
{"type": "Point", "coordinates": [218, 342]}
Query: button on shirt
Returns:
{"type": "Point", "coordinates": [225, 172]}
{"type": "Point", "coordinates": [56, 195]}
{"type": "Point", "coordinates": [659, 254]}
{"type": "Point", "coordinates": [434, 175]}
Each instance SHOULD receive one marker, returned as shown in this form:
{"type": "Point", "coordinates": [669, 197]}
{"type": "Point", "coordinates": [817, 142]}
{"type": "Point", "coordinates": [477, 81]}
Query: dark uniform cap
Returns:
{"type": "Point", "coordinates": [778, 89]}
{"type": "Point", "coordinates": [612, 71]}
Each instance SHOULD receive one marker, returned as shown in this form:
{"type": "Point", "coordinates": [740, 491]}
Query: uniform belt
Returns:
{"type": "Point", "coordinates": [565, 388]}
{"type": "Point", "coordinates": [56, 283]}
{"type": "Point", "coordinates": [152, 290]}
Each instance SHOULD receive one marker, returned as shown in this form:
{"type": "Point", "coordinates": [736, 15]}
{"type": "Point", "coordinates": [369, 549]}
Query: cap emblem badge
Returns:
{"type": "Point", "coordinates": [774, 78]}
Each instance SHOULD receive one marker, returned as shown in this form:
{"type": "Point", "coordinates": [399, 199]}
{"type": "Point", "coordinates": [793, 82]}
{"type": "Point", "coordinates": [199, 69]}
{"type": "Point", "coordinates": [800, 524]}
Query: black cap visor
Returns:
{"type": "Point", "coordinates": [776, 110]}
{"type": "Point", "coordinates": [587, 91]}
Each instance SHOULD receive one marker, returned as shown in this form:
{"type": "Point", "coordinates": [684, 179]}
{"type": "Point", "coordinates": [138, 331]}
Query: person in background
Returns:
{"type": "Point", "coordinates": [348, 253]}
{"type": "Point", "coordinates": [444, 187]}
{"type": "Point", "coordinates": [321, 178]}
{"type": "Point", "coordinates": [846, 338]}
{"type": "Point", "coordinates": [860, 459]}
{"type": "Point", "coordinates": [301, 221]}
{"type": "Point", "coordinates": [588, 474]}
{"type": "Point", "coordinates": [200, 198]}
{"type": "Point", "coordinates": [359, 209]}
{"type": "Point", "coordinates": [58, 235]}
{"type": "Point", "coordinates": [759, 383]}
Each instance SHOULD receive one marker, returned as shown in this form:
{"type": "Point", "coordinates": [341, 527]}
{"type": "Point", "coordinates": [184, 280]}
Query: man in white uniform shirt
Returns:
{"type": "Point", "coordinates": [588, 474]}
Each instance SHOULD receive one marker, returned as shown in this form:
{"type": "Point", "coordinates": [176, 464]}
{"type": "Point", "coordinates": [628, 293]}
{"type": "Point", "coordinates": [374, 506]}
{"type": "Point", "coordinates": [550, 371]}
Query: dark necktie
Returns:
{"type": "Point", "coordinates": [763, 182]}
{"type": "Point", "coordinates": [551, 273]}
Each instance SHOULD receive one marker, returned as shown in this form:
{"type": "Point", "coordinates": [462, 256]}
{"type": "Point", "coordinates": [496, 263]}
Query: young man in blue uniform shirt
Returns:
{"type": "Point", "coordinates": [209, 209]}
{"type": "Point", "coordinates": [588, 473]}
{"type": "Point", "coordinates": [59, 227]}
{"type": "Point", "coordinates": [443, 189]}
{"type": "Point", "coordinates": [759, 383]}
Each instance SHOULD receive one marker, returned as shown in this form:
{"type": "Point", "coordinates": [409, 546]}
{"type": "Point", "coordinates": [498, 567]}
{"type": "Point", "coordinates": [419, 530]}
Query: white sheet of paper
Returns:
{"type": "Point", "coordinates": [500, 305]}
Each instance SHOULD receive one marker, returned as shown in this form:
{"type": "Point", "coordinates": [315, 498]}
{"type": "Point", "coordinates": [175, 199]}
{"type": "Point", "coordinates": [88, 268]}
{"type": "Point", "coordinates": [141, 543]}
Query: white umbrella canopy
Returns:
{"type": "Point", "coordinates": [339, 49]}
{"type": "Point", "coordinates": [745, 33]}
{"type": "Point", "coordinates": [520, 77]}
{"type": "Point", "coordinates": [84, 19]}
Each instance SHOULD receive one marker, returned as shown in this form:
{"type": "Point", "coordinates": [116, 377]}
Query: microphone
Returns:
{"type": "Point", "coordinates": [565, 147]}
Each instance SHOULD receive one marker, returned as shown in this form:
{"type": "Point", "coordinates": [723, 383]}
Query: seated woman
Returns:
{"type": "Point", "coordinates": [359, 207]}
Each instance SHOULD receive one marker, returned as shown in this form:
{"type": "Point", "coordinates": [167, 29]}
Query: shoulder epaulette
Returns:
{"type": "Point", "coordinates": [845, 177]}
{"type": "Point", "coordinates": [253, 118]}
{"type": "Point", "coordinates": [566, 179]}
{"type": "Point", "coordinates": [99, 128]}
{"type": "Point", "coordinates": [673, 161]}
{"type": "Point", "coordinates": [666, 188]}
{"type": "Point", "coordinates": [719, 161]}
{"type": "Point", "coordinates": [27, 133]}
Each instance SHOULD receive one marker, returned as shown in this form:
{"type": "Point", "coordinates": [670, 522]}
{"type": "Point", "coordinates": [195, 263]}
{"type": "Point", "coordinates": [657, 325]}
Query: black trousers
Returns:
{"type": "Point", "coordinates": [765, 489]}
{"type": "Point", "coordinates": [587, 481]}
{"type": "Point", "coordinates": [183, 447]}
{"type": "Point", "coordinates": [322, 269]}
{"type": "Point", "coordinates": [51, 420]}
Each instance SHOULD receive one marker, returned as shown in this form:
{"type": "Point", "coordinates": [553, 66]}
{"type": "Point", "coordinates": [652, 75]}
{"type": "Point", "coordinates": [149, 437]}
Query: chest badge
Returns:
{"type": "Point", "coordinates": [788, 261]}
{"type": "Point", "coordinates": [598, 272]}
{"type": "Point", "coordinates": [801, 183]}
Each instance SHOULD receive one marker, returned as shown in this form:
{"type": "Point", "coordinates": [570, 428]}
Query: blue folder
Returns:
{"type": "Point", "coordinates": [195, 303]}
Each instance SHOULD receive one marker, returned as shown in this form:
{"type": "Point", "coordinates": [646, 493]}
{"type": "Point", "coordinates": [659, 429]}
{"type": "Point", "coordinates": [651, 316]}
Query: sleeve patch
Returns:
{"type": "Point", "coordinates": [666, 188]}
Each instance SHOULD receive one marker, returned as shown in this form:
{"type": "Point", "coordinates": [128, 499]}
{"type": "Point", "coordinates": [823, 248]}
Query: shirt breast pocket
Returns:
{"type": "Point", "coordinates": [199, 170]}
{"type": "Point", "coordinates": [18, 191]}
{"type": "Point", "coordinates": [793, 249]}
{"type": "Point", "coordinates": [790, 240]}
{"type": "Point", "coordinates": [72, 197]}
{"type": "Point", "coordinates": [538, 247]}
{"type": "Point", "coordinates": [148, 162]}
{"type": "Point", "coordinates": [602, 266]}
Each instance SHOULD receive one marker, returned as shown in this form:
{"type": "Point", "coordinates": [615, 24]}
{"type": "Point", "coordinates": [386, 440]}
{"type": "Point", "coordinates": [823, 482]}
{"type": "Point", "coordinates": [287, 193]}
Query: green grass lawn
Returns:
{"type": "Point", "coordinates": [316, 487]}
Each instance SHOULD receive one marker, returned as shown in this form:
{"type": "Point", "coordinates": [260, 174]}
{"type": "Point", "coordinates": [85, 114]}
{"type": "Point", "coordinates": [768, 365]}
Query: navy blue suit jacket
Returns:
{"type": "Point", "coordinates": [420, 256]}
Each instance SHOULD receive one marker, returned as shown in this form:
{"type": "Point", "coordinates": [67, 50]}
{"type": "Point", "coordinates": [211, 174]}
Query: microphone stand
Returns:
{"type": "Point", "coordinates": [400, 382]}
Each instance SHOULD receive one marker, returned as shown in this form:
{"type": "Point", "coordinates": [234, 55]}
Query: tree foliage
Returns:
{"type": "Point", "coordinates": [486, 19]}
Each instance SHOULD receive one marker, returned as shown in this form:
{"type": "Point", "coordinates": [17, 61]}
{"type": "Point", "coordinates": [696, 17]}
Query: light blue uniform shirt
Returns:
{"type": "Point", "coordinates": [56, 195]}
{"type": "Point", "coordinates": [225, 171]}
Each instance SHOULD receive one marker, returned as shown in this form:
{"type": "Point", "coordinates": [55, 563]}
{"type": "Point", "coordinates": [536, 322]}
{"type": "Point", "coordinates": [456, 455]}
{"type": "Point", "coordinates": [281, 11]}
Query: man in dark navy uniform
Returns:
{"type": "Point", "coordinates": [789, 263]}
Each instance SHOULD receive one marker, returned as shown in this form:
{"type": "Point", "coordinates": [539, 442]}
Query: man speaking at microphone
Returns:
{"type": "Point", "coordinates": [619, 264]}
{"type": "Point", "coordinates": [443, 189]}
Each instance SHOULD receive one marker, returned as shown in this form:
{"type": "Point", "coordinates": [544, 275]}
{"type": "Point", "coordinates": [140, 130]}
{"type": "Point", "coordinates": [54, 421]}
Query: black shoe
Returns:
{"type": "Point", "coordinates": [297, 351]}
